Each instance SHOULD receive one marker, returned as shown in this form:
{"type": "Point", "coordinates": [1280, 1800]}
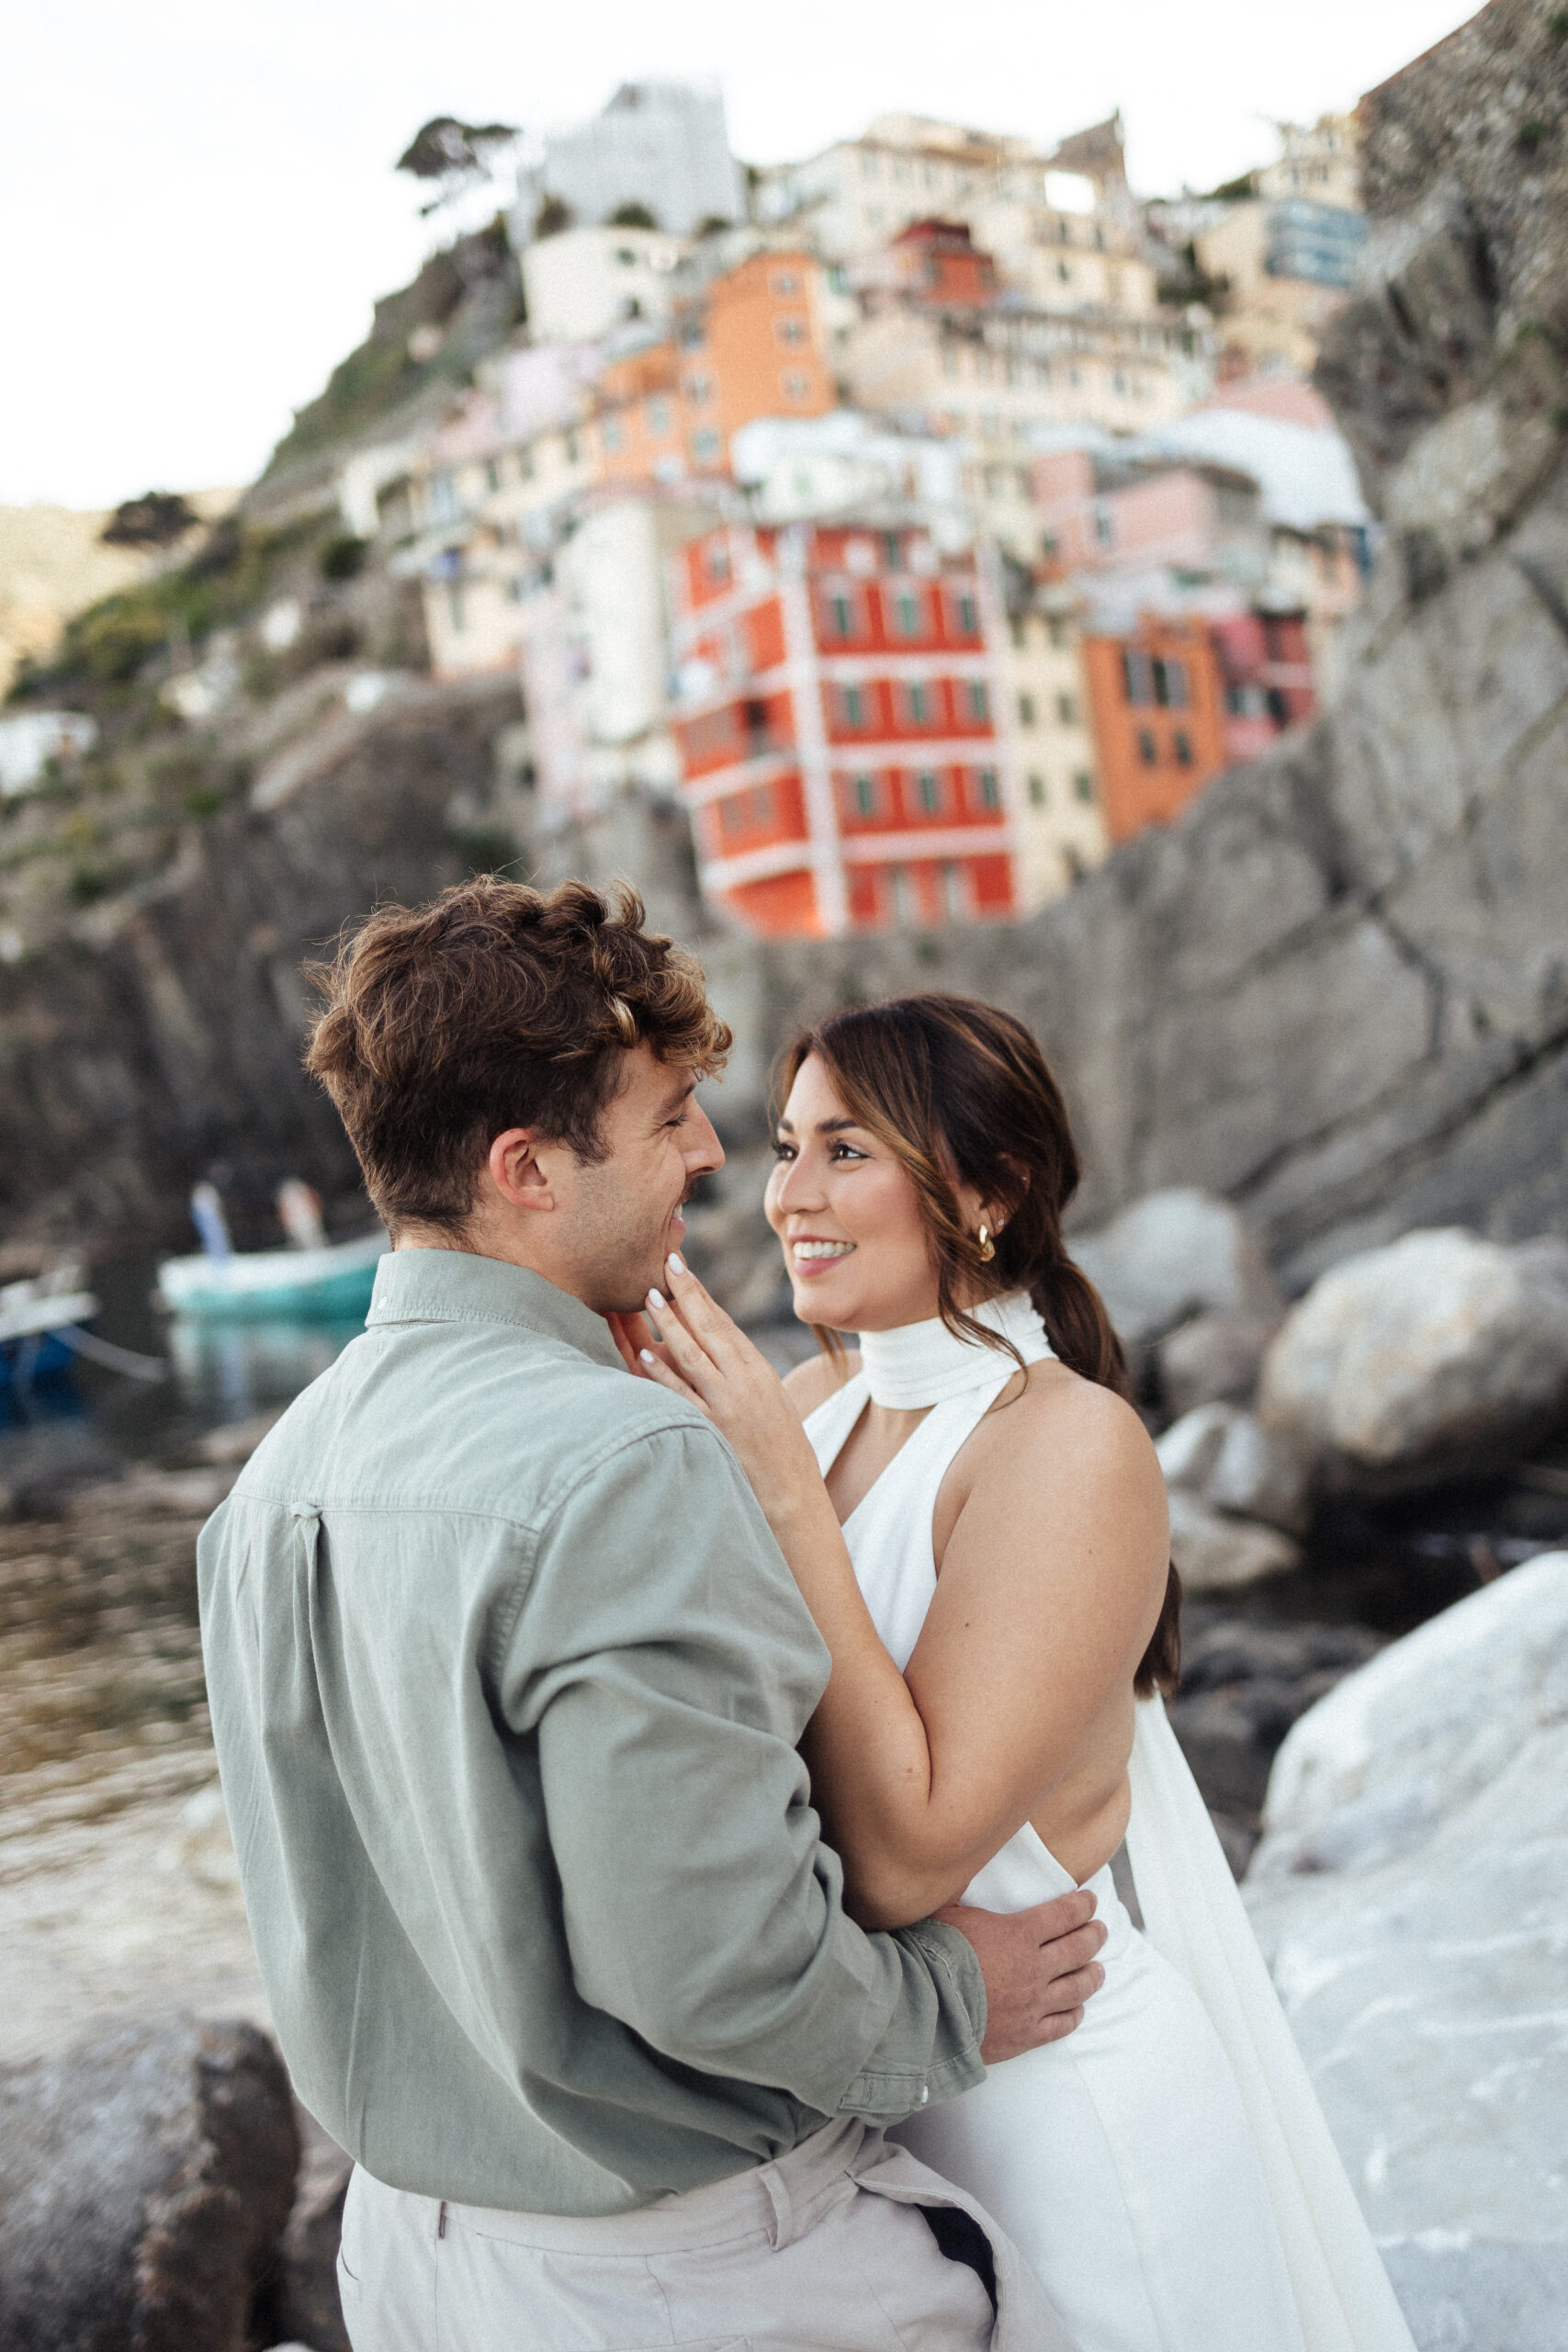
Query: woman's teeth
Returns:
{"type": "Point", "coordinates": [815, 1249]}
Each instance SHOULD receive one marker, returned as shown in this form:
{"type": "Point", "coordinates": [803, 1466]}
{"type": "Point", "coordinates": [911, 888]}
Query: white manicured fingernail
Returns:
{"type": "Point", "coordinates": [655, 1300]}
{"type": "Point", "coordinates": [647, 1354]}
{"type": "Point", "coordinates": [675, 1265]}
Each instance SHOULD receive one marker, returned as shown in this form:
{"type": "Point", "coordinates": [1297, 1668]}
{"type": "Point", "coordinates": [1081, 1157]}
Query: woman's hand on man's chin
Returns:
{"type": "Point", "coordinates": [705, 1357]}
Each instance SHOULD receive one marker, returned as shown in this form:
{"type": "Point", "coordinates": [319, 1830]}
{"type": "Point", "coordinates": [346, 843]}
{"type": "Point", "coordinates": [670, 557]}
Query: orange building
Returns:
{"type": "Point", "coordinates": [838, 729]}
{"type": "Point", "coordinates": [1180, 700]}
{"type": "Point", "coordinates": [1159, 719]}
{"type": "Point", "coordinates": [939, 262]}
{"type": "Point", "coordinates": [749, 346]}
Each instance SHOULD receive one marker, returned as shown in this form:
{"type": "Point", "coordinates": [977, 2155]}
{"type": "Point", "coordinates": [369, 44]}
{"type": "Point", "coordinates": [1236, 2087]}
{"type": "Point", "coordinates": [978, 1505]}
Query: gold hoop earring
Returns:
{"type": "Point", "coordinates": [987, 1247]}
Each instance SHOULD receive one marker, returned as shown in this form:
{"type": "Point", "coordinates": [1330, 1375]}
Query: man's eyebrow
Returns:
{"type": "Point", "coordinates": [682, 1093]}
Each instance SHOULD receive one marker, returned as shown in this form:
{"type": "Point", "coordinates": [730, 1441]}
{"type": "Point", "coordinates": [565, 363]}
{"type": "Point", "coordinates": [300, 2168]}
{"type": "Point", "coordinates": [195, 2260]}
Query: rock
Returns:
{"type": "Point", "coordinates": [1439, 1355]}
{"type": "Point", "coordinates": [300, 2300]}
{"type": "Point", "coordinates": [1242, 1685]}
{"type": "Point", "coordinates": [1412, 1739]}
{"type": "Point", "coordinates": [1174, 1255]}
{"type": "Point", "coordinates": [1213, 1359]}
{"type": "Point", "coordinates": [143, 2179]}
{"type": "Point", "coordinates": [1410, 1896]}
{"type": "Point", "coordinates": [1227, 1459]}
{"type": "Point", "coordinates": [1215, 1553]}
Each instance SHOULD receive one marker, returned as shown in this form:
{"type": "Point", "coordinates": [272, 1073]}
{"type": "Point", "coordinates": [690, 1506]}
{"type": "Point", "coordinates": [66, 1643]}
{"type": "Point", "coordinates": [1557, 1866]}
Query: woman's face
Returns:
{"type": "Point", "coordinates": [848, 1215]}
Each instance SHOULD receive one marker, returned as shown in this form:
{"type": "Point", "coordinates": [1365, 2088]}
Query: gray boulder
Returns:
{"type": "Point", "coordinates": [1216, 1553]}
{"type": "Point", "coordinates": [1439, 1355]}
{"type": "Point", "coordinates": [1227, 1459]}
{"type": "Point", "coordinates": [1410, 1894]}
{"type": "Point", "coordinates": [1174, 1255]}
{"type": "Point", "coordinates": [1213, 1359]}
{"type": "Point", "coordinates": [144, 2180]}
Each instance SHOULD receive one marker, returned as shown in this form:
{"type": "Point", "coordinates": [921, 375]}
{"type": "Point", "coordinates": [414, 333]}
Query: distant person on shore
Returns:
{"type": "Point", "coordinates": [508, 1674]}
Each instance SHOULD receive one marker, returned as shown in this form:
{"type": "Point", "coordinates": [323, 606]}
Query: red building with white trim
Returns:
{"type": "Point", "coordinates": [840, 729]}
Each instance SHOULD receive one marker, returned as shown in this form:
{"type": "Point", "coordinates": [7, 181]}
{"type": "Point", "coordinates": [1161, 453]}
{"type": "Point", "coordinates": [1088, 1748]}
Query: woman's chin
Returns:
{"type": "Point", "coordinates": [815, 1303]}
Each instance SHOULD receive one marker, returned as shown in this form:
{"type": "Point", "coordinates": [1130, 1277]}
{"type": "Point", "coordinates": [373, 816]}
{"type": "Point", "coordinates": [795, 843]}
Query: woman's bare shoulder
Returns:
{"type": "Point", "coordinates": [1085, 1430]}
{"type": "Point", "coordinates": [812, 1382]}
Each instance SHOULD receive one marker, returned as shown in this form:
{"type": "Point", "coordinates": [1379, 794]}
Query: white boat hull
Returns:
{"type": "Point", "coordinates": [315, 1284]}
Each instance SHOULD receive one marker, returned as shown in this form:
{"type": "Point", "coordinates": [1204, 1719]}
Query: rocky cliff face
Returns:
{"type": "Point", "coordinates": [1337, 990]}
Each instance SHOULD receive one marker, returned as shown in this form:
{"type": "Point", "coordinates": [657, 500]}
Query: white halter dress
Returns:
{"type": "Point", "coordinates": [1166, 2170]}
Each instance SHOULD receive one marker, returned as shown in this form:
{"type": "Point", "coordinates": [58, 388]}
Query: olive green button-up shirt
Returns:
{"type": "Point", "coordinates": [506, 1674]}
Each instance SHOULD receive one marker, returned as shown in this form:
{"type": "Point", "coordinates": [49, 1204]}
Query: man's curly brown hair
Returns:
{"type": "Point", "coordinates": [494, 1007]}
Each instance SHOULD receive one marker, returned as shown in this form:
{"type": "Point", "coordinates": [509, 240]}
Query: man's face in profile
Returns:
{"type": "Point", "coordinates": [626, 1208]}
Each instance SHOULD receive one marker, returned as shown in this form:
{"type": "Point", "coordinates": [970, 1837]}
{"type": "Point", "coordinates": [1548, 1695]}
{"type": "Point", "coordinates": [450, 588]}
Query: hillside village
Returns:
{"type": "Point", "coordinates": [868, 543]}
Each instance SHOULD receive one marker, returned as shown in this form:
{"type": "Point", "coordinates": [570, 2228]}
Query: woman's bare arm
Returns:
{"type": "Point", "coordinates": [1051, 1583]}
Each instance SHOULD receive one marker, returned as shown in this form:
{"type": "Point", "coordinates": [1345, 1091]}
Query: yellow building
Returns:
{"type": "Point", "coordinates": [1059, 820]}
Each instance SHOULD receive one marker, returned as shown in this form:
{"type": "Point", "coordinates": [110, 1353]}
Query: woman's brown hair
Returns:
{"type": "Point", "coordinates": [961, 1094]}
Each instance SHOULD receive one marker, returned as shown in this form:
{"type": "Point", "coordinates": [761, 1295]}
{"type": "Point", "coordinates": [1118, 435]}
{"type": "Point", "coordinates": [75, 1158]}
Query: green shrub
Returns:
{"type": "Point", "coordinates": [343, 558]}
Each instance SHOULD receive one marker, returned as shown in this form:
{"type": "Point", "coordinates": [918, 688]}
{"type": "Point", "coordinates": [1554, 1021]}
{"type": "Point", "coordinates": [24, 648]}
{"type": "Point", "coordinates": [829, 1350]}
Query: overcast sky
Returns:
{"type": "Point", "coordinates": [197, 207]}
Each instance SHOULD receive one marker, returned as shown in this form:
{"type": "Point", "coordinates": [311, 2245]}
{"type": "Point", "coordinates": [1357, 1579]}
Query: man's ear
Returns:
{"type": "Point", "coordinates": [515, 1172]}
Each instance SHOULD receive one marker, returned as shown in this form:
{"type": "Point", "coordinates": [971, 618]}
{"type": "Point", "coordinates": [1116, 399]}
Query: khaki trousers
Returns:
{"type": "Point", "coordinates": [827, 2250]}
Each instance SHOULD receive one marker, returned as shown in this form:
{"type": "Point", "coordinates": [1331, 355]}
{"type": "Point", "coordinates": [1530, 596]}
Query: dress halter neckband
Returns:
{"type": "Point", "coordinates": [923, 1364]}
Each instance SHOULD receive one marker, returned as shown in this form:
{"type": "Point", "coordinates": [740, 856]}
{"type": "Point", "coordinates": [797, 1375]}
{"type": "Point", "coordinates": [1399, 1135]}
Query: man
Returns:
{"type": "Point", "coordinates": [507, 1675]}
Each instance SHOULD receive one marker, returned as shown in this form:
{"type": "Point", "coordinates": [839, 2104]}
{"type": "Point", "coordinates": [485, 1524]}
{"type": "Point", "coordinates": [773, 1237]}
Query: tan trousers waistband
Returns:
{"type": "Point", "coordinates": [776, 2202]}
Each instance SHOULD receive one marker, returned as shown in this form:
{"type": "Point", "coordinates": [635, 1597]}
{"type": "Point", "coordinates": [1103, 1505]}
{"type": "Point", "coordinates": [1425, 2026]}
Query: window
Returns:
{"type": "Point", "coordinates": [1104, 526]}
{"type": "Point", "coordinates": [785, 282]}
{"type": "Point", "coordinates": [1037, 792]}
{"type": "Point", "coordinates": [852, 706]}
{"type": "Point", "coordinates": [928, 791]}
{"type": "Point", "coordinates": [842, 614]}
{"type": "Point", "coordinates": [699, 391]}
{"type": "Point", "coordinates": [613, 433]}
{"type": "Point", "coordinates": [1170, 683]}
{"type": "Point", "coordinates": [893, 551]}
{"type": "Point", "coordinates": [1026, 710]}
{"type": "Point", "coordinates": [906, 613]}
{"type": "Point", "coordinates": [790, 330]}
{"type": "Point", "coordinates": [1063, 273]}
{"type": "Point", "coordinates": [706, 445]}
{"type": "Point", "coordinates": [968, 616]}
{"type": "Point", "coordinates": [716, 560]}
{"type": "Point", "coordinates": [493, 474]}
{"type": "Point", "coordinates": [795, 386]}
{"type": "Point", "coordinates": [1147, 750]}
{"type": "Point", "coordinates": [901, 889]}
{"type": "Point", "coordinates": [1057, 628]}
{"type": "Point", "coordinates": [977, 698]}
{"type": "Point", "coordinates": [918, 704]}
{"type": "Point", "coordinates": [1042, 371]}
{"type": "Point", "coordinates": [762, 804]}
{"type": "Point", "coordinates": [659, 416]}
{"type": "Point", "coordinates": [1137, 679]}
{"type": "Point", "coordinates": [571, 448]}
{"type": "Point", "coordinates": [864, 798]}
{"type": "Point", "coordinates": [1183, 748]}
{"type": "Point", "coordinates": [691, 334]}
{"type": "Point", "coordinates": [990, 791]}
{"type": "Point", "coordinates": [955, 894]}
{"type": "Point", "coordinates": [1083, 785]}
{"type": "Point", "coordinates": [1068, 710]}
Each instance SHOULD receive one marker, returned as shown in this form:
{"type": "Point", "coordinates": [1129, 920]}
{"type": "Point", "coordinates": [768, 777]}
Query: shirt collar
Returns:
{"type": "Point", "coordinates": [455, 1286]}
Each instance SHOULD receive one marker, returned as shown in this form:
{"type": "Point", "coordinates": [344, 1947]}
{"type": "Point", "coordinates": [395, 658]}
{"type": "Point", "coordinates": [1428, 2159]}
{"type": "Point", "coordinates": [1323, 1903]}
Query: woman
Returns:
{"type": "Point", "coordinates": [979, 1530]}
